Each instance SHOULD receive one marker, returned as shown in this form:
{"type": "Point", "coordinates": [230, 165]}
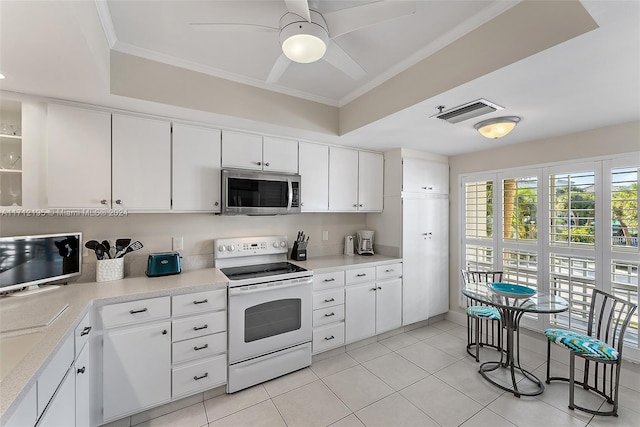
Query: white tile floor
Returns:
{"type": "Point", "coordinates": [422, 377]}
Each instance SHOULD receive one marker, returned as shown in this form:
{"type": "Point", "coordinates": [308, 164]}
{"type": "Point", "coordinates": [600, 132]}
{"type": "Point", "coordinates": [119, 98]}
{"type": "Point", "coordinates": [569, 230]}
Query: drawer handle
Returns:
{"type": "Point", "coordinates": [206, 374]}
{"type": "Point", "coordinates": [330, 280]}
{"type": "Point", "coordinates": [330, 300]}
{"type": "Point", "coordinates": [204, 301]}
{"type": "Point", "coordinates": [329, 314]}
{"type": "Point", "coordinates": [142, 310]}
{"type": "Point", "coordinates": [202, 347]}
{"type": "Point", "coordinates": [329, 338]}
{"type": "Point", "coordinates": [361, 275]}
{"type": "Point", "coordinates": [379, 288]}
{"type": "Point", "coordinates": [197, 328]}
{"type": "Point", "coordinates": [85, 331]}
{"type": "Point", "coordinates": [391, 270]}
{"type": "Point", "coordinates": [81, 370]}
{"type": "Point", "coordinates": [374, 289]}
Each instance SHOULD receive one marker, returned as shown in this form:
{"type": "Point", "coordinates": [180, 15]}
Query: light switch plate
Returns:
{"type": "Point", "coordinates": [177, 243]}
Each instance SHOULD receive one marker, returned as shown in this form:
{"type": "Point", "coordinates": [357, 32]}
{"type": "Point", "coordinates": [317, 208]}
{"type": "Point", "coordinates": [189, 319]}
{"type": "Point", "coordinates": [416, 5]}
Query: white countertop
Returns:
{"type": "Point", "coordinates": [79, 297]}
{"type": "Point", "coordinates": [326, 264]}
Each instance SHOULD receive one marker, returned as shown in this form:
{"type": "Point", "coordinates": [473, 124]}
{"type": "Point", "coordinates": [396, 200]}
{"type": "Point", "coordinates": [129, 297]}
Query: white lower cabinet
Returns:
{"type": "Point", "coordinates": [388, 305]}
{"type": "Point", "coordinates": [82, 371]}
{"type": "Point", "coordinates": [26, 413]}
{"type": "Point", "coordinates": [328, 311]}
{"type": "Point", "coordinates": [360, 306]}
{"type": "Point", "coordinates": [60, 411]}
{"type": "Point", "coordinates": [136, 368]}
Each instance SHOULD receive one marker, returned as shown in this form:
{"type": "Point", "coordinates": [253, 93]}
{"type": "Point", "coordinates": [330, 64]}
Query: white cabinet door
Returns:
{"type": "Point", "coordinates": [388, 305]}
{"type": "Point", "coordinates": [136, 369]}
{"type": "Point", "coordinates": [437, 254]}
{"type": "Point", "coordinates": [279, 155]}
{"type": "Point", "coordinates": [195, 168]}
{"type": "Point", "coordinates": [314, 170]}
{"type": "Point", "coordinates": [422, 176]}
{"type": "Point", "coordinates": [60, 411]}
{"type": "Point", "coordinates": [241, 150]}
{"type": "Point", "coordinates": [82, 371]}
{"type": "Point", "coordinates": [79, 158]}
{"type": "Point", "coordinates": [370, 181]}
{"type": "Point", "coordinates": [141, 172]}
{"type": "Point", "coordinates": [360, 312]}
{"type": "Point", "coordinates": [26, 413]}
{"type": "Point", "coordinates": [343, 179]}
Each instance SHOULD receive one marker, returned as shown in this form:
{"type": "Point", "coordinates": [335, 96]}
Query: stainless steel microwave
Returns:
{"type": "Point", "coordinates": [259, 193]}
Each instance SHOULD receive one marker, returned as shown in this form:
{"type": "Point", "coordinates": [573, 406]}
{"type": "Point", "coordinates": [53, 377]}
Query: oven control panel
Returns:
{"type": "Point", "coordinates": [245, 246]}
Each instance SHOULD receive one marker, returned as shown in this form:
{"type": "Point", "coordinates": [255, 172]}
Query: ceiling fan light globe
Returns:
{"type": "Point", "coordinates": [304, 48]}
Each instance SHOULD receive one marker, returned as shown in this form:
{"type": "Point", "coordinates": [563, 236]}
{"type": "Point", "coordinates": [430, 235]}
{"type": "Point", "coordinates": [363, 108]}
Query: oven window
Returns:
{"type": "Point", "coordinates": [272, 318]}
{"type": "Point", "coordinates": [258, 193]}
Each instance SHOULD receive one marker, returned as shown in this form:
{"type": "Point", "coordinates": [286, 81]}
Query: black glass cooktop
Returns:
{"type": "Point", "coordinates": [260, 270]}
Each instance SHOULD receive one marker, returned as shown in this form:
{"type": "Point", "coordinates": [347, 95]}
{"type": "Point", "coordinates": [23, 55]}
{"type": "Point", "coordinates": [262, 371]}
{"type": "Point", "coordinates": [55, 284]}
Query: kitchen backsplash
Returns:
{"type": "Point", "coordinates": [156, 231]}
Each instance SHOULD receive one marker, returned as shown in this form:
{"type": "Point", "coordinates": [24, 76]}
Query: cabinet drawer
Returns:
{"type": "Point", "coordinates": [327, 315]}
{"type": "Point", "coordinates": [328, 280]}
{"type": "Point", "coordinates": [328, 298]}
{"type": "Point", "coordinates": [82, 332]}
{"type": "Point", "coordinates": [50, 379]}
{"type": "Point", "coordinates": [201, 375]}
{"type": "Point", "coordinates": [360, 275]}
{"type": "Point", "coordinates": [328, 337]}
{"type": "Point", "coordinates": [197, 326]}
{"type": "Point", "coordinates": [197, 348]}
{"type": "Point", "coordinates": [199, 302]}
{"type": "Point", "coordinates": [128, 313]}
{"type": "Point", "coordinates": [389, 271]}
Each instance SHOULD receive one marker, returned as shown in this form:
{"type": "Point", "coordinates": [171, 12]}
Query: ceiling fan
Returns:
{"type": "Point", "coordinates": [307, 36]}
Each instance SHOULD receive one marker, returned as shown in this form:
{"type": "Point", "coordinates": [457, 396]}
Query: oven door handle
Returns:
{"type": "Point", "coordinates": [244, 290]}
{"type": "Point", "coordinates": [289, 194]}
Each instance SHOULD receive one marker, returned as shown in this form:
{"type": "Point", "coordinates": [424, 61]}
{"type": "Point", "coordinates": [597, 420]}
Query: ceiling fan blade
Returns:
{"type": "Point", "coordinates": [229, 27]}
{"type": "Point", "coordinates": [299, 7]}
{"type": "Point", "coordinates": [354, 18]}
{"type": "Point", "coordinates": [278, 69]}
{"type": "Point", "coordinates": [340, 59]}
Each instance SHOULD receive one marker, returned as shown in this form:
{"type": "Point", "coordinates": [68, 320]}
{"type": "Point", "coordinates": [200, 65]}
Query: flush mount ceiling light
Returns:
{"type": "Point", "coordinates": [303, 41]}
{"type": "Point", "coordinates": [497, 127]}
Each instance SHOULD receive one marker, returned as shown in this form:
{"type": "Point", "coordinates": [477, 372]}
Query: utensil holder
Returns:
{"type": "Point", "coordinates": [109, 269]}
{"type": "Point", "coordinates": [297, 253]}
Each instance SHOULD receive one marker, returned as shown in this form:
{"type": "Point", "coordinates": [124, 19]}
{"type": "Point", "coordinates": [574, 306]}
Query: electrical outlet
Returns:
{"type": "Point", "coordinates": [325, 234]}
{"type": "Point", "coordinates": [177, 243]}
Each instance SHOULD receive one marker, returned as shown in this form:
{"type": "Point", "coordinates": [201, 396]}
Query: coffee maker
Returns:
{"type": "Point", "coordinates": [364, 242]}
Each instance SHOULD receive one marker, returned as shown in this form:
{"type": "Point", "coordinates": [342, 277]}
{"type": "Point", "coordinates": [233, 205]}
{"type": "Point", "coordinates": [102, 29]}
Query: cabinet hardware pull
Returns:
{"type": "Point", "coordinates": [142, 310]}
{"type": "Point", "coordinates": [330, 280]}
{"type": "Point", "coordinates": [379, 288]}
{"type": "Point", "coordinates": [197, 328]}
{"type": "Point", "coordinates": [259, 163]}
{"type": "Point", "coordinates": [374, 289]}
{"type": "Point", "coordinates": [355, 205]}
{"type": "Point", "coordinates": [427, 188]}
{"type": "Point", "coordinates": [361, 275]}
{"type": "Point", "coordinates": [118, 202]}
{"type": "Point", "coordinates": [216, 204]}
{"type": "Point", "coordinates": [360, 205]}
{"type": "Point", "coordinates": [427, 234]}
{"type": "Point", "coordinates": [329, 338]}
{"type": "Point", "coordinates": [267, 164]}
{"type": "Point", "coordinates": [81, 370]}
{"type": "Point", "coordinates": [202, 347]}
{"type": "Point", "coordinates": [329, 314]}
{"type": "Point", "coordinates": [103, 201]}
{"type": "Point", "coordinates": [206, 374]}
{"type": "Point", "coordinates": [201, 301]}
{"type": "Point", "coordinates": [164, 332]}
{"type": "Point", "coordinates": [85, 331]}
{"type": "Point", "coordinates": [389, 270]}
{"type": "Point", "coordinates": [330, 300]}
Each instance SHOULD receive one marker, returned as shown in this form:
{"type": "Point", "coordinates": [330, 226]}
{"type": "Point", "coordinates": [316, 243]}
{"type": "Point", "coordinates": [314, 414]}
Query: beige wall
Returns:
{"type": "Point", "coordinates": [612, 140]}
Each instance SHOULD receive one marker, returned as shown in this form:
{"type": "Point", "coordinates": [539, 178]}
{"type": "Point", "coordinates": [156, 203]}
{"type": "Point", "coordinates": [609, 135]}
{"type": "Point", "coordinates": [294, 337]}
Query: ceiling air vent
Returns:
{"type": "Point", "coordinates": [467, 111]}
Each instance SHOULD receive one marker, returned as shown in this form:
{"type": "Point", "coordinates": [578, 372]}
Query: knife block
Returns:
{"type": "Point", "coordinates": [298, 254]}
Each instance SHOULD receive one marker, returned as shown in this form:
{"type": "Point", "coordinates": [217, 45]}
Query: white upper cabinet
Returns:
{"type": "Point", "coordinates": [241, 150]}
{"type": "Point", "coordinates": [314, 170]}
{"type": "Point", "coordinates": [355, 180]}
{"type": "Point", "coordinates": [422, 176]}
{"type": "Point", "coordinates": [370, 181]}
{"type": "Point", "coordinates": [141, 172]}
{"type": "Point", "coordinates": [247, 151]}
{"type": "Point", "coordinates": [343, 179]}
{"type": "Point", "coordinates": [195, 168]}
{"type": "Point", "coordinates": [79, 158]}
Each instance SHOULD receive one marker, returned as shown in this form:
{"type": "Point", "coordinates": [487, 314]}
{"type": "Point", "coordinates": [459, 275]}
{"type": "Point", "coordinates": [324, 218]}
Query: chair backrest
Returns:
{"type": "Point", "coordinates": [609, 317]}
{"type": "Point", "coordinates": [472, 276]}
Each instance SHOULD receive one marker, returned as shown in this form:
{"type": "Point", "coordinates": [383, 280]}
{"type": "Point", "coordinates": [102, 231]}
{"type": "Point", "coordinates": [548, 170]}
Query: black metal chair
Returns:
{"type": "Point", "coordinates": [484, 328]}
{"type": "Point", "coordinates": [608, 319]}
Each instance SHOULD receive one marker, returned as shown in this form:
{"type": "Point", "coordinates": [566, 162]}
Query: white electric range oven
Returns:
{"type": "Point", "coordinates": [269, 309]}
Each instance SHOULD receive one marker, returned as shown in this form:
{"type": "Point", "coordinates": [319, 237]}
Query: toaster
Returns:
{"type": "Point", "coordinates": [163, 264]}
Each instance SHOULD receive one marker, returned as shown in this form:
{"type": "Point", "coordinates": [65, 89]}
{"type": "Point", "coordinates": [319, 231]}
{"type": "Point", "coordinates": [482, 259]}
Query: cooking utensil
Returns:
{"type": "Point", "coordinates": [107, 247]}
{"type": "Point", "coordinates": [100, 251]}
{"type": "Point", "coordinates": [91, 244]}
{"type": "Point", "coordinates": [135, 246]}
{"type": "Point", "coordinates": [121, 244]}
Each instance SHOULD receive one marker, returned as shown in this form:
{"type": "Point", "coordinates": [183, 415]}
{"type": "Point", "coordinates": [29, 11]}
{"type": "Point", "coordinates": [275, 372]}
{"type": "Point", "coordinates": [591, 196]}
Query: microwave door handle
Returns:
{"type": "Point", "coordinates": [290, 194]}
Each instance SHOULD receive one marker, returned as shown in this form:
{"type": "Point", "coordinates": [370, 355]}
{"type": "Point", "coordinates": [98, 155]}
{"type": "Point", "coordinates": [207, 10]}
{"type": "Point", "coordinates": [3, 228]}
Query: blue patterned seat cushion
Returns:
{"type": "Point", "coordinates": [582, 344]}
{"type": "Point", "coordinates": [483, 311]}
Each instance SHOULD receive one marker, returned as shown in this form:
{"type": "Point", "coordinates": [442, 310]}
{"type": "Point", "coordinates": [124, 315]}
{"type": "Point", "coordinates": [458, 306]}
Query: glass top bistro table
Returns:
{"type": "Point", "coordinates": [512, 307]}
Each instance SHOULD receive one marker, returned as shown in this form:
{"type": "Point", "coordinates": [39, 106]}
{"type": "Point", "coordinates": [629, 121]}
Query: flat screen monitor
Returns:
{"type": "Point", "coordinates": [36, 260]}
